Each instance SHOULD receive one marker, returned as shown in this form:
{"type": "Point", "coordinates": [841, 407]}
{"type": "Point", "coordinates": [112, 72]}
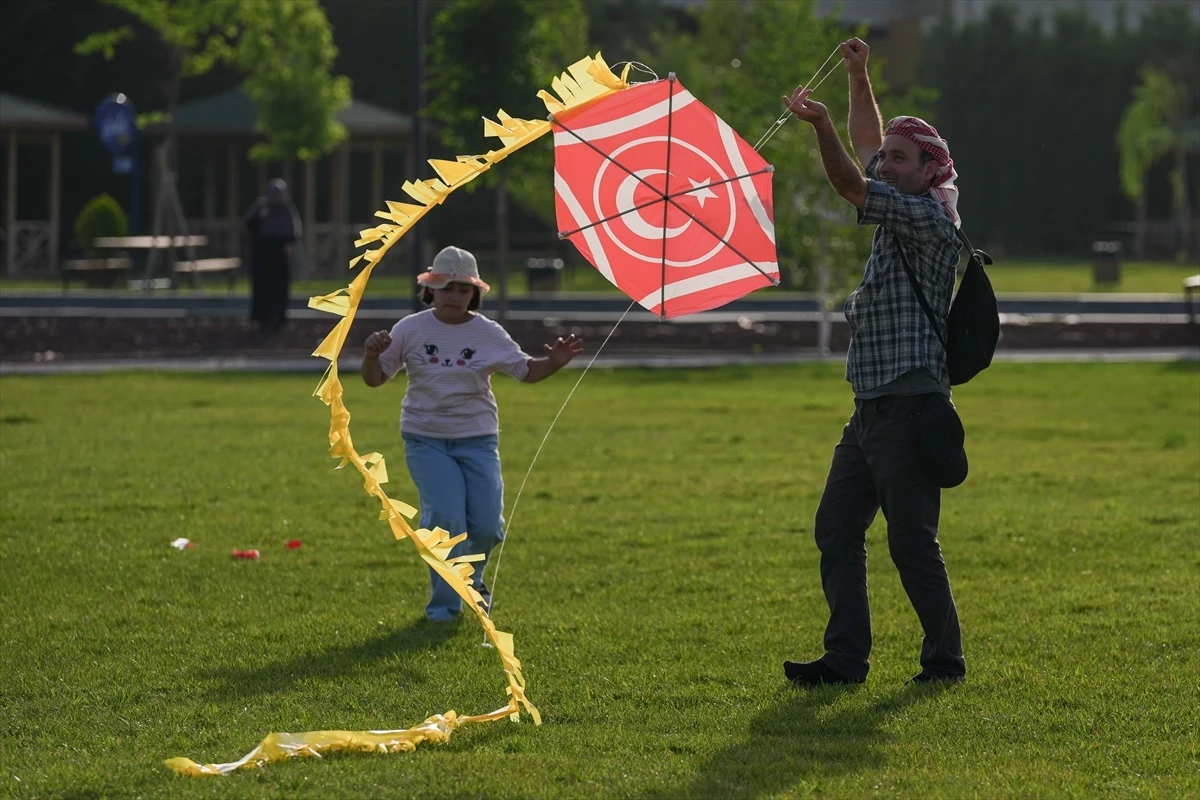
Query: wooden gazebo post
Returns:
{"type": "Point", "coordinates": [310, 215]}
{"type": "Point", "coordinates": [55, 195]}
{"type": "Point", "coordinates": [233, 209]}
{"type": "Point", "coordinates": [10, 216]}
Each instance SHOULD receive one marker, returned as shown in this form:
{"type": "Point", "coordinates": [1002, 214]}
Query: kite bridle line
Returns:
{"type": "Point", "coordinates": [664, 197]}
{"type": "Point", "coordinates": [766, 137]}
{"type": "Point", "coordinates": [640, 67]}
{"type": "Point", "coordinates": [512, 512]}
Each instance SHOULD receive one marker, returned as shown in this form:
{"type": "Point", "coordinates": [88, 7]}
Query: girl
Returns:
{"type": "Point", "coordinates": [449, 420]}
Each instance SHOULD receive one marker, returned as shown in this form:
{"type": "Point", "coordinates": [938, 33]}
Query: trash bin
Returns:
{"type": "Point", "coordinates": [1106, 263]}
{"type": "Point", "coordinates": [544, 274]}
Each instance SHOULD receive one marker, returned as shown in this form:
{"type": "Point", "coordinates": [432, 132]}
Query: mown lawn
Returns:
{"type": "Point", "coordinates": [660, 568]}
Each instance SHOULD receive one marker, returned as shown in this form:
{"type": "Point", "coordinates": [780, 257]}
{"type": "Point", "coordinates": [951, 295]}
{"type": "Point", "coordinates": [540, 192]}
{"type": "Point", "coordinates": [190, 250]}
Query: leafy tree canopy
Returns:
{"type": "Point", "coordinates": [741, 60]}
{"type": "Point", "coordinates": [285, 48]}
{"type": "Point", "coordinates": [488, 56]}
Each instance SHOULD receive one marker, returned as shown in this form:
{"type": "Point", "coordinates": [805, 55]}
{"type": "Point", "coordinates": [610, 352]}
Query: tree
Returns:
{"type": "Point", "coordinates": [1153, 126]}
{"type": "Point", "coordinates": [285, 48]}
{"type": "Point", "coordinates": [1143, 137]}
{"type": "Point", "coordinates": [1031, 107]}
{"type": "Point", "coordinates": [529, 42]}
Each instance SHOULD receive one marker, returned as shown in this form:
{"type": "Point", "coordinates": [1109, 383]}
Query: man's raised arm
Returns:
{"type": "Point", "coordinates": [840, 168]}
{"type": "Point", "coordinates": [865, 123]}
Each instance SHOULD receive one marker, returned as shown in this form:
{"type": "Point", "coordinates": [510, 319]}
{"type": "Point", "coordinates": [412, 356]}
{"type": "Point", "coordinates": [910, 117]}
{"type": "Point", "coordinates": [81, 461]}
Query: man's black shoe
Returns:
{"type": "Point", "coordinates": [815, 673]}
{"type": "Point", "coordinates": [925, 679]}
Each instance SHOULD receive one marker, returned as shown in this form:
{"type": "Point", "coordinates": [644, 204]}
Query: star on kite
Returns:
{"type": "Point", "coordinates": [700, 191]}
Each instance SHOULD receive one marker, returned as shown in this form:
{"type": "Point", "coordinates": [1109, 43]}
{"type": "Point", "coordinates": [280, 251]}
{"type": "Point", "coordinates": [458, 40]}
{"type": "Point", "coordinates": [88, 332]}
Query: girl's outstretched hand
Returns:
{"type": "Point", "coordinates": [563, 350]}
{"type": "Point", "coordinates": [376, 343]}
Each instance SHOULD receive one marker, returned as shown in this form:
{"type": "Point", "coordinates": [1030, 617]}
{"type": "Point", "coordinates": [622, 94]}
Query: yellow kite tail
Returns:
{"type": "Point", "coordinates": [585, 82]}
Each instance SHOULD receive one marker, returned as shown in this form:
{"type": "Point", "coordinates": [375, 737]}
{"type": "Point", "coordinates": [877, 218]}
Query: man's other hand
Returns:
{"type": "Point", "coordinates": [804, 107]}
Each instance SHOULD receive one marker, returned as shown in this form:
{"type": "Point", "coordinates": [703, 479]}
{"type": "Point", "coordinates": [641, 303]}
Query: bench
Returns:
{"type": "Point", "coordinates": [148, 242]}
{"type": "Point", "coordinates": [1191, 286]}
{"type": "Point", "coordinates": [210, 266]}
{"type": "Point", "coordinates": [96, 273]}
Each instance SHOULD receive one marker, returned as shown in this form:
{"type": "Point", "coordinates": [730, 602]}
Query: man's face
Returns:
{"type": "Point", "coordinates": [901, 166]}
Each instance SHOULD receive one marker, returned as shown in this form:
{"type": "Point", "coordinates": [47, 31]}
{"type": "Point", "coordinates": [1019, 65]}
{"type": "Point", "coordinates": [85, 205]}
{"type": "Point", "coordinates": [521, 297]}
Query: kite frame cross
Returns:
{"type": "Point", "coordinates": [664, 196]}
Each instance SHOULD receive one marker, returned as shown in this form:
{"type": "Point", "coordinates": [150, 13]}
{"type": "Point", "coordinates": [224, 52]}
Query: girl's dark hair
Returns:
{"type": "Point", "coordinates": [426, 296]}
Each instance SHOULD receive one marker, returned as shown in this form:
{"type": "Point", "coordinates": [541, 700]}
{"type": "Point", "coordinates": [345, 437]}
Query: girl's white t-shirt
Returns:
{"type": "Point", "coordinates": [450, 367]}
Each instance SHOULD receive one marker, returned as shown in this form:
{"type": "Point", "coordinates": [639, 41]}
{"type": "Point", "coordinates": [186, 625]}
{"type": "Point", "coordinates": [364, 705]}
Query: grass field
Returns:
{"type": "Point", "coordinates": [1010, 276]}
{"type": "Point", "coordinates": [659, 570]}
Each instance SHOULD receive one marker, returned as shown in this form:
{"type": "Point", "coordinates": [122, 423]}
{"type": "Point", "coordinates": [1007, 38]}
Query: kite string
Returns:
{"type": "Point", "coordinates": [811, 86]}
{"type": "Point", "coordinates": [639, 67]}
{"type": "Point", "coordinates": [512, 513]}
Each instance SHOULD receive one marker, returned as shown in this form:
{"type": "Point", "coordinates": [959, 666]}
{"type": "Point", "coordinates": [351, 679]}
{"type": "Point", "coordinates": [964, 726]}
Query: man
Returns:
{"type": "Point", "coordinates": [895, 362]}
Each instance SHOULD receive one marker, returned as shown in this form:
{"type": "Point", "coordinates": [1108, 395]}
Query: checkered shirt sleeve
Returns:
{"type": "Point", "coordinates": [889, 331]}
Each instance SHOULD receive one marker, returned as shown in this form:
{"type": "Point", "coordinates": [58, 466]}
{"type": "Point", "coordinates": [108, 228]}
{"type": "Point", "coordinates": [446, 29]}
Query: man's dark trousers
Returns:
{"type": "Point", "coordinates": [876, 466]}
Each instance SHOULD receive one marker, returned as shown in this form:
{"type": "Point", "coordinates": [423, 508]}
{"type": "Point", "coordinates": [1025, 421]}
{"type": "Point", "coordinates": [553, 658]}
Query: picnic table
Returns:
{"type": "Point", "coordinates": [148, 242]}
{"type": "Point", "coordinates": [228, 267]}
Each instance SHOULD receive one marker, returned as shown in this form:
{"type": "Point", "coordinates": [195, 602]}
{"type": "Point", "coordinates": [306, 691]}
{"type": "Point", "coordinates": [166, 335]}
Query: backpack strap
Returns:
{"type": "Point", "coordinates": [912, 278]}
{"type": "Point", "coordinates": [972, 255]}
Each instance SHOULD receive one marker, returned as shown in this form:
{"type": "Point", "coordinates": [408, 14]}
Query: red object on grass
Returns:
{"type": "Point", "coordinates": [293, 544]}
{"type": "Point", "coordinates": [245, 554]}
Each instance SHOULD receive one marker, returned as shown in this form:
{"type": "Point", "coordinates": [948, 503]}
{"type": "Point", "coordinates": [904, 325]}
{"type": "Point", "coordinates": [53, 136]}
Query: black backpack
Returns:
{"type": "Point", "coordinates": [973, 326]}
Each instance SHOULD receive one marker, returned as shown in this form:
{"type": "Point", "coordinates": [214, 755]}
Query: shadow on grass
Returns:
{"type": "Point", "coordinates": [1184, 366]}
{"type": "Point", "coordinates": [333, 663]}
{"type": "Point", "coordinates": [801, 742]}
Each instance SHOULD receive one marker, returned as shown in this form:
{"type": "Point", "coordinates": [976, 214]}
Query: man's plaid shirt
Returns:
{"type": "Point", "coordinates": [889, 332]}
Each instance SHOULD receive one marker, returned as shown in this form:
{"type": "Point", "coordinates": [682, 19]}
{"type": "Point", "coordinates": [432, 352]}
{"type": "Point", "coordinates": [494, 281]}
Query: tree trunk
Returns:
{"type": "Point", "coordinates": [1181, 207]}
{"type": "Point", "coordinates": [502, 251]}
{"type": "Point", "coordinates": [825, 326]}
{"type": "Point", "coordinates": [1139, 226]}
{"type": "Point", "coordinates": [174, 78]}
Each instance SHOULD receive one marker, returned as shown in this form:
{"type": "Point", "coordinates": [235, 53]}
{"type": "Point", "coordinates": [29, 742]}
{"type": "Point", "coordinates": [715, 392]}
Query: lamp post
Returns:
{"type": "Point", "coordinates": [116, 125]}
{"type": "Point", "coordinates": [418, 132]}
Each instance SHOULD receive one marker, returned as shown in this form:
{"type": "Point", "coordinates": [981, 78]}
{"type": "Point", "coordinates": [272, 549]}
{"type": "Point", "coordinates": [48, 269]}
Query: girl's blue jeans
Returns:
{"type": "Point", "coordinates": [461, 490]}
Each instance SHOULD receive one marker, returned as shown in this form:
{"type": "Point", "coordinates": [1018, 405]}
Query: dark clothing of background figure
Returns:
{"type": "Point", "coordinates": [274, 226]}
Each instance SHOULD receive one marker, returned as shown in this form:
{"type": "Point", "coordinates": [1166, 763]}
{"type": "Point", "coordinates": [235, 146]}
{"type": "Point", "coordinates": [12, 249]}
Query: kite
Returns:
{"type": "Point", "coordinates": [665, 199]}
{"type": "Point", "coordinates": [711, 196]}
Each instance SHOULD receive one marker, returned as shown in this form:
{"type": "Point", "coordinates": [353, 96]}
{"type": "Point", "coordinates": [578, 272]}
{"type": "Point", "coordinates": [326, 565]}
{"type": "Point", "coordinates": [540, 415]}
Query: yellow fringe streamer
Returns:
{"type": "Point", "coordinates": [585, 81]}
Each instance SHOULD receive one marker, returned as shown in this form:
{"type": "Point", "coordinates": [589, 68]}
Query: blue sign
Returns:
{"type": "Point", "coordinates": [122, 165]}
{"type": "Point", "coordinates": [116, 124]}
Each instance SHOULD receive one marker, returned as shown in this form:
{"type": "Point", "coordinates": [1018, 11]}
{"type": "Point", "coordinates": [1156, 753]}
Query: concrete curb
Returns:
{"type": "Point", "coordinates": [657, 361]}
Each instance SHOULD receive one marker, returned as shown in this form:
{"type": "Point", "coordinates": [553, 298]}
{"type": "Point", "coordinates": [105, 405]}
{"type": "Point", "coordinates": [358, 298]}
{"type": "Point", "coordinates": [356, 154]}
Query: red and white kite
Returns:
{"type": "Point", "coordinates": [665, 199]}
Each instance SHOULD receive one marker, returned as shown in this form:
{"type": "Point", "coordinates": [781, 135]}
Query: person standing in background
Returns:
{"type": "Point", "coordinates": [274, 226]}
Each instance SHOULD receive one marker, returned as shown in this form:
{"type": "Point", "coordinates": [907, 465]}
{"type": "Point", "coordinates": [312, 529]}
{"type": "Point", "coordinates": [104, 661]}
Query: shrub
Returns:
{"type": "Point", "coordinates": [101, 216]}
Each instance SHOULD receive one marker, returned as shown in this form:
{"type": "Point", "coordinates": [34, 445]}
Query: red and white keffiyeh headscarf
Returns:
{"type": "Point", "coordinates": [926, 137]}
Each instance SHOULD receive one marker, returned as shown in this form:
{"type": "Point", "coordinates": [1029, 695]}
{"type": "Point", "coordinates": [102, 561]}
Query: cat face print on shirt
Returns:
{"type": "Point", "coordinates": [463, 358]}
